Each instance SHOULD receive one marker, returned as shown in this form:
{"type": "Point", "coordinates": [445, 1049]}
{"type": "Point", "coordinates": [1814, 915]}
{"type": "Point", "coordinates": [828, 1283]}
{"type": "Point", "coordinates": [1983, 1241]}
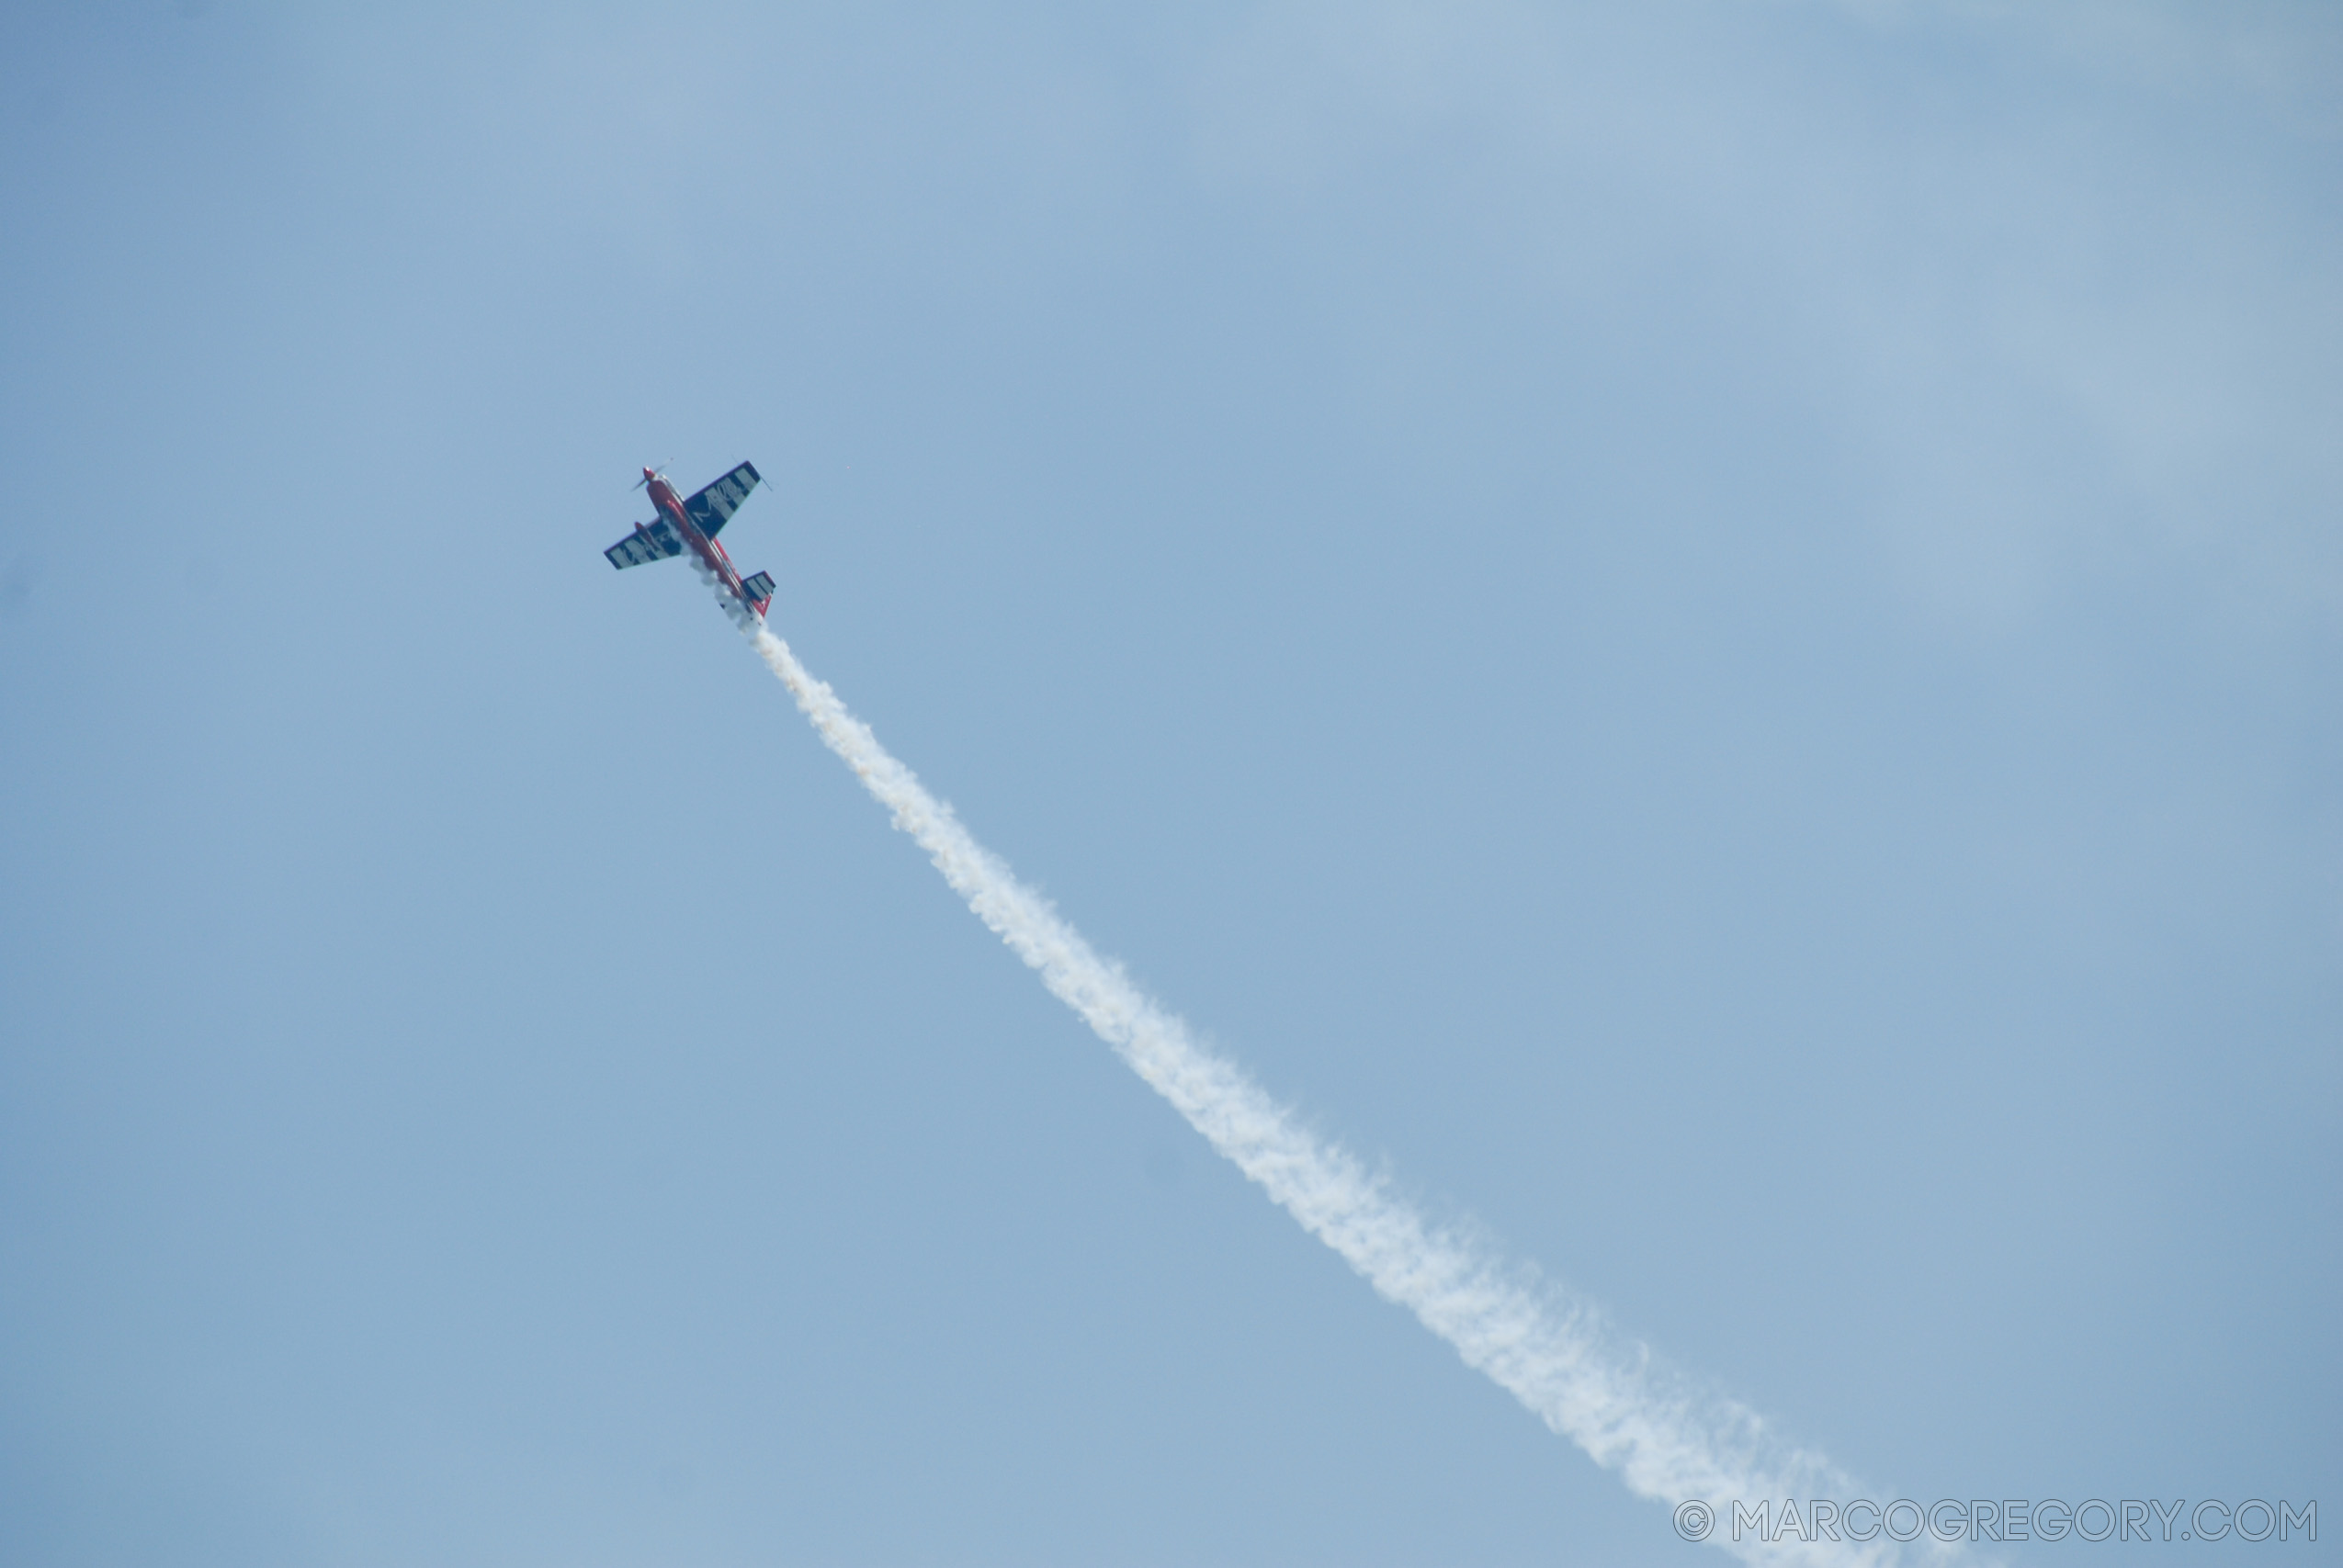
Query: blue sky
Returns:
{"type": "Point", "coordinates": [1712, 630]}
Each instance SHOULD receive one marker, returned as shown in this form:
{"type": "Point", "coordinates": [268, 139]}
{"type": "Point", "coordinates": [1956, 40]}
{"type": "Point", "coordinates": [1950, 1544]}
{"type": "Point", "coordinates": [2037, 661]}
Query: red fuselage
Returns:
{"type": "Point", "coordinates": [671, 506]}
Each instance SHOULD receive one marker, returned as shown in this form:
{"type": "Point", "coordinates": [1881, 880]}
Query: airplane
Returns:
{"type": "Point", "coordinates": [693, 525]}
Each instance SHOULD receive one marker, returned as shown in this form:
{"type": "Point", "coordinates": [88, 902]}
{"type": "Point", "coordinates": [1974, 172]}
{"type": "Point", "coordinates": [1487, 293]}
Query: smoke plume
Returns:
{"type": "Point", "coordinates": [1666, 1438]}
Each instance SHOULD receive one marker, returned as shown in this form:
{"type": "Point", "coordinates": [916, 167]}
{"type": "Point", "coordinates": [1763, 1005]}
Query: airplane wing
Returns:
{"type": "Point", "coordinates": [649, 542]}
{"type": "Point", "coordinates": [713, 507]}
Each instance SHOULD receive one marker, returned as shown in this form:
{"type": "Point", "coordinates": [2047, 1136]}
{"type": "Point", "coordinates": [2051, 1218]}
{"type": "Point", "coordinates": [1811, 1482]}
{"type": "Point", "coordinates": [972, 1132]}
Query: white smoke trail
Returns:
{"type": "Point", "coordinates": [1615, 1400]}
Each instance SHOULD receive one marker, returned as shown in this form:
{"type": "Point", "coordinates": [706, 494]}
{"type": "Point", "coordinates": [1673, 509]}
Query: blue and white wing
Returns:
{"type": "Point", "coordinates": [649, 542]}
{"type": "Point", "coordinates": [713, 507]}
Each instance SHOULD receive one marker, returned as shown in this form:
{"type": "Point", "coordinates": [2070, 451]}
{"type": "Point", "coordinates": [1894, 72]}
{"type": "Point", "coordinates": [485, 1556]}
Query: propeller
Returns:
{"type": "Point", "coordinates": [660, 471]}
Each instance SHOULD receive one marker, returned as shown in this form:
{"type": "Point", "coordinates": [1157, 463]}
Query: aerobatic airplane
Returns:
{"type": "Point", "coordinates": [694, 525]}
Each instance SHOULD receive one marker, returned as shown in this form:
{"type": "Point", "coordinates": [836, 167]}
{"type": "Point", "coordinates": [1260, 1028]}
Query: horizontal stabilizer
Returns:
{"type": "Point", "coordinates": [759, 589]}
{"type": "Point", "coordinates": [649, 542]}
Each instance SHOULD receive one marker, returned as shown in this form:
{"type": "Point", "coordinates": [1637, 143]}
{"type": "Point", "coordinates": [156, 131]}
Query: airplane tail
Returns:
{"type": "Point", "coordinates": [760, 591]}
